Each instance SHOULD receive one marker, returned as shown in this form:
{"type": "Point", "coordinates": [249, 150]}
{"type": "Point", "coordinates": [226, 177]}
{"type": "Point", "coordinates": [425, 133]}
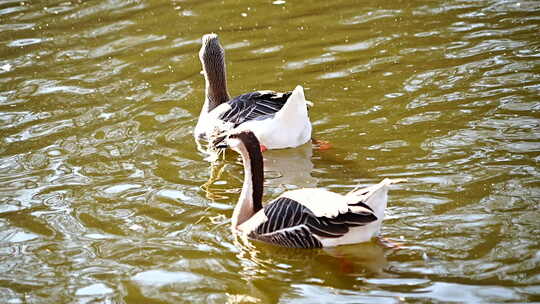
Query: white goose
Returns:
{"type": "Point", "coordinates": [279, 120]}
{"type": "Point", "coordinates": [303, 218]}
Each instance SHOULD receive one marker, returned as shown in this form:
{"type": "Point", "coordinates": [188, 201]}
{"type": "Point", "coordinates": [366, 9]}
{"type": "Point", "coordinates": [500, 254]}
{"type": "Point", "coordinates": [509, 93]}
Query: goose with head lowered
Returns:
{"type": "Point", "coordinates": [303, 218]}
{"type": "Point", "coordinates": [279, 120]}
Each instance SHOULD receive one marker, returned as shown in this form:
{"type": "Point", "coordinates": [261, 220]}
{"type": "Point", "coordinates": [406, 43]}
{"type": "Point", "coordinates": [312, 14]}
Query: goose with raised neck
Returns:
{"type": "Point", "coordinates": [279, 120]}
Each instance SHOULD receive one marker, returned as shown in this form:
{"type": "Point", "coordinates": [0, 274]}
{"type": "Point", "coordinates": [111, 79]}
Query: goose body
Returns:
{"type": "Point", "coordinates": [279, 120]}
{"type": "Point", "coordinates": [303, 218]}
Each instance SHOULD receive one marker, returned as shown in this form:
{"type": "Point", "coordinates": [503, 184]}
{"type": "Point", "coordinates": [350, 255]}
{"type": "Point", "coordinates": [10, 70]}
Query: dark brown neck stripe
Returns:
{"type": "Point", "coordinates": [256, 161]}
{"type": "Point", "coordinates": [213, 60]}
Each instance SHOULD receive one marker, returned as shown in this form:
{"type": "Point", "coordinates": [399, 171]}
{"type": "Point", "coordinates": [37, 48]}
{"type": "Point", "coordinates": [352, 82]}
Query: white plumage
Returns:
{"type": "Point", "coordinates": [303, 218]}
{"type": "Point", "coordinates": [279, 120]}
{"type": "Point", "coordinates": [287, 128]}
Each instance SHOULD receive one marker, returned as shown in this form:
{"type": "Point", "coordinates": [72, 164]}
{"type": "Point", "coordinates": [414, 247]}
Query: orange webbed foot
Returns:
{"type": "Point", "coordinates": [345, 265]}
{"type": "Point", "coordinates": [321, 144]}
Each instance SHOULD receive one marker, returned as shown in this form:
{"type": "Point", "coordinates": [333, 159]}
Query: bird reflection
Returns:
{"type": "Point", "coordinates": [284, 167]}
{"type": "Point", "coordinates": [335, 266]}
{"type": "Point", "coordinates": [216, 170]}
{"type": "Point", "coordinates": [290, 167]}
{"type": "Point", "coordinates": [359, 258]}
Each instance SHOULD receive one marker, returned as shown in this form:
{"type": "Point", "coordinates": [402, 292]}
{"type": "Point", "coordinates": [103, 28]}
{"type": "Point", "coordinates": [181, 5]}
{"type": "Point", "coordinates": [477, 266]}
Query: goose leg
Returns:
{"type": "Point", "coordinates": [321, 144]}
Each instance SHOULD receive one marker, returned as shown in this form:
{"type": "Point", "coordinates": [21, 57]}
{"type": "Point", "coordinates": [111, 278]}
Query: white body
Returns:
{"type": "Point", "coordinates": [329, 204]}
{"type": "Point", "coordinates": [289, 127]}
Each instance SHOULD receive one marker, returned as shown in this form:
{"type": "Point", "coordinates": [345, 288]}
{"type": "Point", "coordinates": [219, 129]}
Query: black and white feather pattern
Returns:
{"type": "Point", "coordinates": [291, 224]}
{"type": "Point", "coordinates": [255, 105]}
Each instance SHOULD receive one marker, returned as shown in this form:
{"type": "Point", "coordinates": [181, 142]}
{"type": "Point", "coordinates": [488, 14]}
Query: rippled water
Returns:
{"type": "Point", "coordinates": [104, 198]}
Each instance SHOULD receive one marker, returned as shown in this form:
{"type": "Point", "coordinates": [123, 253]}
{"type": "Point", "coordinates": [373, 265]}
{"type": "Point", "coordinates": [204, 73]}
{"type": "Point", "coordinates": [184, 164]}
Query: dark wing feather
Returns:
{"type": "Point", "coordinates": [256, 105]}
{"type": "Point", "coordinates": [296, 237]}
{"type": "Point", "coordinates": [291, 224]}
{"type": "Point", "coordinates": [361, 204]}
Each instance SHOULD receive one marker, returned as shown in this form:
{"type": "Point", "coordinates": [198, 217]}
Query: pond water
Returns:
{"type": "Point", "coordinates": [104, 198]}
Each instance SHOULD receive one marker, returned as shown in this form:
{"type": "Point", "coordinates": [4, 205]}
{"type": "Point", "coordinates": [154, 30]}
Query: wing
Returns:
{"type": "Point", "coordinates": [291, 224]}
{"type": "Point", "coordinates": [294, 237]}
{"type": "Point", "coordinates": [256, 105]}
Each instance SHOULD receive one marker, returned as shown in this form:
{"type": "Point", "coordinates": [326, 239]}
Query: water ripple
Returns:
{"type": "Point", "coordinates": [104, 197]}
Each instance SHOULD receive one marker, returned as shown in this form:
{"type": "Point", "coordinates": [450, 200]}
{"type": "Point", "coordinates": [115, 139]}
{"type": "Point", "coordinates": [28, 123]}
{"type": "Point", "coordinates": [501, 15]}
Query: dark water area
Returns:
{"type": "Point", "coordinates": [105, 199]}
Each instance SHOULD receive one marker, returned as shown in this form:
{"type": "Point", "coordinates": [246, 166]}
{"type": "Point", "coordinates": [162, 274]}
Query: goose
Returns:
{"type": "Point", "coordinates": [279, 120]}
{"type": "Point", "coordinates": [303, 218]}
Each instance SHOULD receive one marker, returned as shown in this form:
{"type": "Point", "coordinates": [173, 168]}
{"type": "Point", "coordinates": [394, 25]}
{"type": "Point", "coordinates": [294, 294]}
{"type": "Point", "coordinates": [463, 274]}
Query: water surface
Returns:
{"type": "Point", "coordinates": [104, 198]}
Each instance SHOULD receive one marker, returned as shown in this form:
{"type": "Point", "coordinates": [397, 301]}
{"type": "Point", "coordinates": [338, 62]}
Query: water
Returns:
{"type": "Point", "coordinates": [103, 197]}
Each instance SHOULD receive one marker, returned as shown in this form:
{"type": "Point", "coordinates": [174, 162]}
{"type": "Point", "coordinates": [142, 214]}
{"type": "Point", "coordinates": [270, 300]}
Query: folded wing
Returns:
{"type": "Point", "coordinates": [255, 105]}
{"type": "Point", "coordinates": [291, 224]}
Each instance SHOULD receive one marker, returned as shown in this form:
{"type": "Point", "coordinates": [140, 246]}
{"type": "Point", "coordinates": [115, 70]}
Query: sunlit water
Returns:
{"type": "Point", "coordinates": [104, 198]}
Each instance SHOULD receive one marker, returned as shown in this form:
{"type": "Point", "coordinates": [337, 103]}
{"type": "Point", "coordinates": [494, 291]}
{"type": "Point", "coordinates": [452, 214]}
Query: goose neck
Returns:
{"type": "Point", "coordinates": [250, 201]}
{"type": "Point", "coordinates": [213, 62]}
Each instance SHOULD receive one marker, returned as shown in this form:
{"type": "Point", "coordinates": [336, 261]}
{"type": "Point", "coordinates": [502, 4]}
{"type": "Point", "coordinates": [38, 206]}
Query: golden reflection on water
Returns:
{"type": "Point", "coordinates": [104, 197]}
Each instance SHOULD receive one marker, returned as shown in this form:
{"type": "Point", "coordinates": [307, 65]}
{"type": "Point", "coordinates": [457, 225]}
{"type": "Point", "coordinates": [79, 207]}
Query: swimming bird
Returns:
{"type": "Point", "coordinates": [303, 218]}
{"type": "Point", "coordinates": [279, 120]}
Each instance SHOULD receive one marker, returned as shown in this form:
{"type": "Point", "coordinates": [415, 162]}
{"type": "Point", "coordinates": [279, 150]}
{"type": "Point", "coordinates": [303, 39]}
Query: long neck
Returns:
{"type": "Point", "coordinates": [250, 201]}
{"type": "Point", "coordinates": [213, 62]}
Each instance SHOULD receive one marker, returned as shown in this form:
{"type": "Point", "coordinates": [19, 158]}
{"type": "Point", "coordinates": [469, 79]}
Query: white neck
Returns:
{"type": "Point", "coordinates": [205, 108]}
{"type": "Point", "coordinates": [244, 208]}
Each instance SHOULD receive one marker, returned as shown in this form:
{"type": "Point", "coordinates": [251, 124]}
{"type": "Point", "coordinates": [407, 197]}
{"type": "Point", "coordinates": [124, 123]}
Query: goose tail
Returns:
{"type": "Point", "coordinates": [375, 196]}
{"type": "Point", "coordinates": [295, 105]}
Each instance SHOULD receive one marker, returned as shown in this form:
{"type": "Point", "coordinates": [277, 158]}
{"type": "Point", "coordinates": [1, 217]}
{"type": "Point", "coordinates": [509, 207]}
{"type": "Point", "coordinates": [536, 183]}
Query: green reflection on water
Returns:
{"type": "Point", "coordinates": [104, 197]}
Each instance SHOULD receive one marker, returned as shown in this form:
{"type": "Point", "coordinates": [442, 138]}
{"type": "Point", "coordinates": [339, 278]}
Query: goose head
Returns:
{"type": "Point", "coordinates": [244, 143]}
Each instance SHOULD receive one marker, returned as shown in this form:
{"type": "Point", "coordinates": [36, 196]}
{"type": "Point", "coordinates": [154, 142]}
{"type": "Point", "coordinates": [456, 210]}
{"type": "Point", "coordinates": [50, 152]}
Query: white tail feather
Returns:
{"type": "Point", "coordinates": [358, 192]}
{"type": "Point", "coordinates": [375, 196]}
{"type": "Point", "coordinates": [296, 105]}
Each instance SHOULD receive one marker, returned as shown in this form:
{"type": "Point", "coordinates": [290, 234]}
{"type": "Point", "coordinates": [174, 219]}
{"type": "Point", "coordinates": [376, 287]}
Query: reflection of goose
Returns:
{"type": "Point", "coordinates": [368, 257]}
{"type": "Point", "coordinates": [356, 258]}
{"type": "Point", "coordinates": [280, 120]}
{"type": "Point", "coordinates": [304, 218]}
{"type": "Point", "coordinates": [283, 168]}
{"type": "Point", "coordinates": [290, 167]}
